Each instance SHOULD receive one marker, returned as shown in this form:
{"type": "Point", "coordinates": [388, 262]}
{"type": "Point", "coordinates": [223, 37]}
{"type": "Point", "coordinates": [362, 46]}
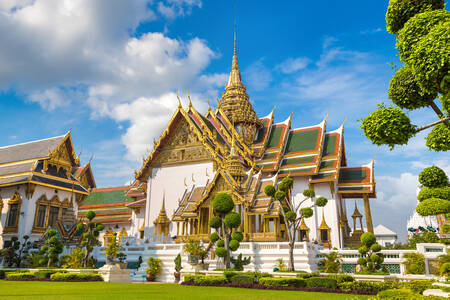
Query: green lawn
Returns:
{"type": "Point", "coordinates": [110, 291]}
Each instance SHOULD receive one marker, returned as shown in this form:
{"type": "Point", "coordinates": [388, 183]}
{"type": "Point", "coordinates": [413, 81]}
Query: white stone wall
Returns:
{"type": "Point", "coordinates": [171, 182]}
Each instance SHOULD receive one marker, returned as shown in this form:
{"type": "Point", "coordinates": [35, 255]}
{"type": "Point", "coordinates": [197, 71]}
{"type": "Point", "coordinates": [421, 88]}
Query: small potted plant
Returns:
{"type": "Point", "coordinates": [154, 268]}
{"type": "Point", "coordinates": [121, 257]}
{"type": "Point", "coordinates": [112, 250]}
{"type": "Point", "coordinates": [196, 254]}
{"type": "Point", "coordinates": [178, 268]}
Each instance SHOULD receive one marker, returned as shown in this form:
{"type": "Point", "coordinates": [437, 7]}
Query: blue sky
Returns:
{"type": "Point", "coordinates": [110, 70]}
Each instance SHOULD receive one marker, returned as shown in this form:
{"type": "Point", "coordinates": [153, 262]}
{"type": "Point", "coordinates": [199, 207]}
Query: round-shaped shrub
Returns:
{"type": "Point", "coordinates": [288, 181]}
{"type": "Point", "coordinates": [291, 216]}
{"type": "Point", "coordinates": [215, 222]}
{"type": "Point", "coordinates": [441, 193]}
{"type": "Point", "coordinates": [433, 177]}
{"type": "Point", "coordinates": [433, 206]}
{"type": "Point", "coordinates": [368, 239]}
{"type": "Point", "coordinates": [406, 93]}
{"type": "Point", "coordinates": [400, 11]}
{"type": "Point", "coordinates": [220, 243]}
{"type": "Point", "coordinates": [283, 186]}
{"type": "Point", "coordinates": [220, 251]}
{"type": "Point", "coordinates": [280, 195]}
{"type": "Point", "coordinates": [232, 220]}
{"type": "Point", "coordinates": [362, 261]}
{"type": "Point", "coordinates": [234, 245]}
{"type": "Point", "coordinates": [430, 60]}
{"type": "Point", "coordinates": [238, 236]}
{"type": "Point", "coordinates": [375, 247]}
{"type": "Point", "coordinates": [363, 250]}
{"type": "Point", "coordinates": [374, 258]}
{"type": "Point", "coordinates": [388, 126]}
{"type": "Point", "coordinates": [309, 193]}
{"type": "Point", "coordinates": [439, 138]}
{"type": "Point", "coordinates": [80, 226]}
{"type": "Point", "coordinates": [417, 28]}
{"type": "Point", "coordinates": [269, 190]}
{"type": "Point", "coordinates": [398, 294]}
{"type": "Point", "coordinates": [90, 215]}
{"type": "Point", "coordinates": [321, 201]}
{"type": "Point", "coordinates": [99, 227]}
{"type": "Point", "coordinates": [307, 212]}
{"type": "Point", "coordinates": [214, 237]}
{"type": "Point", "coordinates": [445, 269]}
{"type": "Point", "coordinates": [223, 203]}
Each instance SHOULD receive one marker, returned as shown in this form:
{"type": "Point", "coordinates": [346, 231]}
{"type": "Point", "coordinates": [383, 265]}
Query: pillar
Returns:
{"type": "Point", "coordinates": [368, 214]}
{"type": "Point", "coordinates": [178, 228]}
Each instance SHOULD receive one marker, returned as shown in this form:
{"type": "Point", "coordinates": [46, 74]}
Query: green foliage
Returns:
{"type": "Point", "coordinates": [414, 263]}
{"type": "Point", "coordinates": [433, 177]}
{"type": "Point", "coordinates": [321, 201]}
{"type": "Point", "coordinates": [76, 277]}
{"type": "Point", "coordinates": [52, 247]}
{"type": "Point", "coordinates": [433, 206]}
{"type": "Point", "coordinates": [240, 262]}
{"type": "Point", "coordinates": [307, 212]}
{"type": "Point", "coordinates": [362, 261]}
{"type": "Point", "coordinates": [17, 251]}
{"type": "Point", "coordinates": [280, 195]}
{"type": "Point", "coordinates": [398, 294]}
{"type": "Point", "coordinates": [242, 279]}
{"type": "Point", "coordinates": [375, 247]}
{"type": "Point", "coordinates": [441, 193]}
{"type": "Point", "coordinates": [282, 282]}
{"type": "Point", "coordinates": [42, 274]}
{"type": "Point", "coordinates": [223, 203]}
{"type": "Point", "coordinates": [232, 220]}
{"type": "Point", "coordinates": [205, 280]}
{"type": "Point", "coordinates": [290, 216]}
{"type": "Point", "coordinates": [269, 190]}
{"type": "Point", "coordinates": [215, 222]}
{"type": "Point", "coordinates": [416, 29]}
{"type": "Point", "coordinates": [90, 233]}
{"type": "Point", "coordinates": [280, 265]}
{"type": "Point", "coordinates": [321, 282]}
{"type": "Point", "coordinates": [444, 269]}
{"type": "Point", "coordinates": [406, 93]}
{"type": "Point", "coordinates": [331, 263]}
{"type": "Point", "coordinates": [19, 276]}
{"type": "Point", "coordinates": [121, 257]}
{"type": "Point", "coordinates": [234, 245]}
{"type": "Point", "coordinates": [400, 11]}
{"type": "Point", "coordinates": [113, 248]}
{"type": "Point", "coordinates": [341, 278]}
{"type": "Point", "coordinates": [431, 59]}
{"type": "Point", "coordinates": [177, 262]}
{"type": "Point", "coordinates": [388, 126]}
{"type": "Point", "coordinates": [90, 215]}
{"type": "Point", "coordinates": [195, 250]}
{"type": "Point", "coordinates": [73, 260]}
{"type": "Point", "coordinates": [214, 236]}
{"type": "Point", "coordinates": [288, 181]}
{"type": "Point", "coordinates": [368, 239]}
{"type": "Point", "coordinates": [229, 274]}
{"type": "Point", "coordinates": [220, 252]}
{"type": "Point", "coordinates": [220, 243]}
{"type": "Point", "coordinates": [238, 236]}
{"type": "Point", "coordinates": [154, 266]}
{"type": "Point", "coordinates": [309, 193]}
{"type": "Point", "coordinates": [439, 137]}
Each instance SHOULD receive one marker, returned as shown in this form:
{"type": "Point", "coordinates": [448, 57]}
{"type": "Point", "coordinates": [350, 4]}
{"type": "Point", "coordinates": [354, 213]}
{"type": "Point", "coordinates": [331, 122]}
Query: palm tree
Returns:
{"type": "Point", "coordinates": [331, 263]}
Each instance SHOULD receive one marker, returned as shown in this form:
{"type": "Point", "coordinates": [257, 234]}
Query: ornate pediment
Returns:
{"type": "Point", "coordinates": [182, 146]}
{"type": "Point", "coordinates": [60, 157]}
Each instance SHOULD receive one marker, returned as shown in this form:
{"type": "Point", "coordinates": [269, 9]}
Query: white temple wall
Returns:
{"type": "Point", "coordinates": [330, 211]}
{"type": "Point", "coordinates": [137, 219]}
{"type": "Point", "coordinates": [171, 182]}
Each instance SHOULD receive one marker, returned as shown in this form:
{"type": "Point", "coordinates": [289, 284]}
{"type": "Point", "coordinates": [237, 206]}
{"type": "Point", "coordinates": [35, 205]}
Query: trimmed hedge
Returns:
{"type": "Point", "coordinates": [76, 277]}
{"type": "Point", "coordinates": [341, 278]}
{"type": "Point", "coordinates": [2, 274]}
{"type": "Point", "coordinates": [308, 275]}
{"type": "Point", "coordinates": [282, 282]}
{"type": "Point", "coordinates": [46, 273]}
{"type": "Point", "coordinates": [321, 282]}
{"type": "Point", "coordinates": [242, 279]}
{"type": "Point", "coordinates": [398, 294]}
{"type": "Point", "coordinates": [205, 280]}
{"type": "Point", "coordinates": [19, 276]}
{"type": "Point", "coordinates": [367, 286]}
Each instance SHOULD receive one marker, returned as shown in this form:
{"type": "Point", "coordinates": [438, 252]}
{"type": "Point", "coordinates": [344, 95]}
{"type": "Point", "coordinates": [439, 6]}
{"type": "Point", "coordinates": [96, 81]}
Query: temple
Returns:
{"type": "Point", "coordinates": [230, 149]}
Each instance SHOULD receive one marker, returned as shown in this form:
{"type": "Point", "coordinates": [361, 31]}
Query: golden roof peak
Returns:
{"type": "Point", "coordinates": [235, 74]}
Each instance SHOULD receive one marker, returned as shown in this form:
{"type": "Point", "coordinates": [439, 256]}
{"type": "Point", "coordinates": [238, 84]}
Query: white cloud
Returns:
{"type": "Point", "coordinates": [257, 76]}
{"type": "Point", "coordinates": [292, 65]}
{"type": "Point", "coordinates": [175, 8]}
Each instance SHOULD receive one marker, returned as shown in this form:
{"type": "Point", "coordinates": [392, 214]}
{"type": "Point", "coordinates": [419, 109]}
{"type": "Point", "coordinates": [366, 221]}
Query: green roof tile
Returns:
{"type": "Point", "coordinates": [275, 135]}
{"type": "Point", "coordinates": [329, 145]}
{"type": "Point", "coordinates": [298, 160]}
{"type": "Point", "coordinates": [302, 141]}
{"type": "Point", "coordinates": [106, 197]}
{"type": "Point", "coordinates": [353, 175]}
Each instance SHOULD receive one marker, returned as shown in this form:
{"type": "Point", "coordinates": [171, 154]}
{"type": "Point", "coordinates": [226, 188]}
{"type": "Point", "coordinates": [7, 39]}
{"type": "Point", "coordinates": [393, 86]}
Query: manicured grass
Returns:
{"type": "Point", "coordinates": [110, 291]}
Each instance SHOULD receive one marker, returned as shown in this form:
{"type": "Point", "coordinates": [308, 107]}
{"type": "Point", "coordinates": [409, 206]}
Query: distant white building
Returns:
{"type": "Point", "coordinates": [384, 235]}
{"type": "Point", "coordinates": [416, 220]}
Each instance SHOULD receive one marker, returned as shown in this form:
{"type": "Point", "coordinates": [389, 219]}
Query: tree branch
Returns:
{"type": "Point", "coordinates": [443, 120]}
{"type": "Point", "coordinates": [439, 112]}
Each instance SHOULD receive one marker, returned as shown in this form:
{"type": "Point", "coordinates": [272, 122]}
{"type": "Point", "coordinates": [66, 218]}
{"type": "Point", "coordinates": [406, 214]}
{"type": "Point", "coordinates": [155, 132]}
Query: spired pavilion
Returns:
{"type": "Point", "coordinates": [230, 149]}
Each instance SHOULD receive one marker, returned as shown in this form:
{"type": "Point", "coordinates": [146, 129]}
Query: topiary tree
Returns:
{"type": "Point", "coordinates": [90, 234]}
{"type": "Point", "coordinates": [422, 29]}
{"type": "Point", "coordinates": [434, 197]}
{"type": "Point", "coordinates": [371, 259]}
{"type": "Point", "coordinates": [52, 247]}
{"type": "Point", "coordinates": [239, 262]}
{"type": "Point", "coordinates": [113, 249]}
{"type": "Point", "coordinates": [224, 222]}
{"type": "Point", "coordinates": [10, 253]}
{"type": "Point", "coordinates": [292, 211]}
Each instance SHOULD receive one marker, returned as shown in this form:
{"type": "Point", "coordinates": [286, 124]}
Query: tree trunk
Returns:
{"type": "Point", "coordinates": [291, 256]}
{"type": "Point", "coordinates": [226, 259]}
{"type": "Point", "coordinates": [49, 263]}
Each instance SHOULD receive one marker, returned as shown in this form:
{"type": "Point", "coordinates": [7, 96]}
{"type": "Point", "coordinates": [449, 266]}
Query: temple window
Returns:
{"type": "Point", "coordinates": [324, 235]}
{"type": "Point", "coordinates": [12, 220]}
{"type": "Point", "coordinates": [53, 216]}
{"type": "Point", "coordinates": [40, 221]}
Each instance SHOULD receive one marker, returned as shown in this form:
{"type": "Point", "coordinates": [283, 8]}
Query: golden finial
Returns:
{"type": "Point", "coordinates": [209, 104]}
{"type": "Point", "coordinates": [164, 201]}
{"type": "Point", "coordinates": [179, 101]}
{"type": "Point", "coordinates": [273, 109]}
{"type": "Point", "coordinates": [189, 97]}
{"type": "Point", "coordinates": [326, 117]}
{"type": "Point", "coordinates": [185, 184]}
{"type": "Point", "coordinates": [345, 120]}
{"type": "Point", "coordinates": [193, 180]}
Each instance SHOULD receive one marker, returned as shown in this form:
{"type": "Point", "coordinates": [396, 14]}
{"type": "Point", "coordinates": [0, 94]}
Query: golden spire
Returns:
{"type": "Point", "coordinates": [356, 213]}
{"type": "Point", "coordinates": [235, 74]}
